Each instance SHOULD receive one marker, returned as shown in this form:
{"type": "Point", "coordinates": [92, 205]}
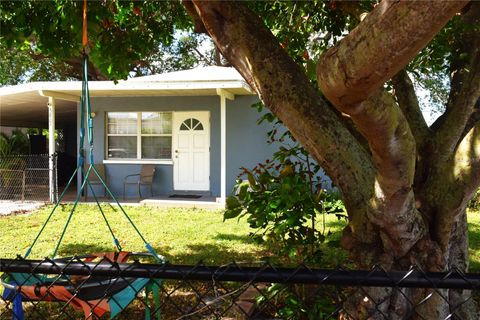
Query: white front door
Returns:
{"type": "Point", "coordinates": [191, 151]}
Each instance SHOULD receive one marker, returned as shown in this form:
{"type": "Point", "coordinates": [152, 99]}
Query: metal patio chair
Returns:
{"type": "Point", "coordinates": [144, 178]}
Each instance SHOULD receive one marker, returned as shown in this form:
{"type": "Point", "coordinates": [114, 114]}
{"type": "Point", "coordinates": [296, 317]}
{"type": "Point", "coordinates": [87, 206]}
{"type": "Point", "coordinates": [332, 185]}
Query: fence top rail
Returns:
{"type": "Point", "coordinates": [377, 277]}
{"type": "Point", "coordinates": [11, 170]}
{"type": "Point", "coordinates": [39, 155]}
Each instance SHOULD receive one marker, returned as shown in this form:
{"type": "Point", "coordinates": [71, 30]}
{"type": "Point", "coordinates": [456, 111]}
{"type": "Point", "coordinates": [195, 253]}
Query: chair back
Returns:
{"type": "Point", "coordinates": [92, 177]}
{"type": "Point", "coordinates": [147, 173]}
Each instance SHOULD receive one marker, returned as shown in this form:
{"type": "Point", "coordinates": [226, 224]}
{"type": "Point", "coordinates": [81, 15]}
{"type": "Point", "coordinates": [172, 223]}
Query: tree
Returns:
{"type": "Point", "coordinates": [33, 50]}
{"type": "Point", "coordinates": [19, 66]}
{"type": "Point", "coordinates": [24, 64]}
{"type": "Point", "coordinates": [405, 184]}
{"type": "Point", "coordinates": [185, 52]}
{"type": "Point", "coordinates": [407, 187]}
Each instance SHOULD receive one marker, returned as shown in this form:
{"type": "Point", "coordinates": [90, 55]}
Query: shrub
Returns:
{"type": "Point", "coordinates": [282, 199]}
{"type": "Point", "coordinates": [16, 143]}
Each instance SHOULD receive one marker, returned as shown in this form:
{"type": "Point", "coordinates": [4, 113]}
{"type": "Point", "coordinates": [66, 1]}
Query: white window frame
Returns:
{"type": "Point", "coordinates": [139, 136]}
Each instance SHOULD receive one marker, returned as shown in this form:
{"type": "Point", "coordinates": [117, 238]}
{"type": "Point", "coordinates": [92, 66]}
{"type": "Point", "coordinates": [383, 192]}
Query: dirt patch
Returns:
{"type": "Point", "coordinates": [11, 208]}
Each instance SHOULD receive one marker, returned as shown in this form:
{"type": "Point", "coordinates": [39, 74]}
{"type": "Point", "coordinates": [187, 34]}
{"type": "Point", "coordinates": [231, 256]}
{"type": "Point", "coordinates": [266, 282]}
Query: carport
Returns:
{"type": "Point", "coordinates": [55, 104]}
{"type": "Point", "coordinates": [34, 106]}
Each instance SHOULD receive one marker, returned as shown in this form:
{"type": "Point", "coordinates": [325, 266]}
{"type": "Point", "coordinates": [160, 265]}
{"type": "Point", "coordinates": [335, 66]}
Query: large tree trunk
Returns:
{"type": "Point", "coordinates": [407, 303]}
{"type": "Point", "coordinates": [405, 200]}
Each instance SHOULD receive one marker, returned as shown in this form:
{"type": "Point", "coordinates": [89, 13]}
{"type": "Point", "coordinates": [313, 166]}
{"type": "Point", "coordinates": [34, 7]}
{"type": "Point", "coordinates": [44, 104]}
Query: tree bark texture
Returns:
{"type": "Point", "coordinates": [379, 47]}
{"type": "Point", "coordinates": [289, 94]}
{"type": "Point", "coordinates": [405, 199]}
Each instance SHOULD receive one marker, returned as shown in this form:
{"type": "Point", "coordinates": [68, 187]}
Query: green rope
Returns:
{"type": "Point", "coordinates": [115, 240]}
{"type": "Point", "coordinates": [85, 112]}
{"type": "Point", "coordinates": [157, 257]}
{"type": "Point", "coordinates": [84, 104]}
{"type": "Point", "coordinates": [81, 151]}
{"type": "Point", "coordinates": [156, 296]}
{"type": "Point", "coordinates": [29, 250]}
{"type": "Point", "coordinates": [154, 288]}
{"type": "Point", "coordinates": [70, 216]}
{"type": "Point", "coordinates": [88, 110]}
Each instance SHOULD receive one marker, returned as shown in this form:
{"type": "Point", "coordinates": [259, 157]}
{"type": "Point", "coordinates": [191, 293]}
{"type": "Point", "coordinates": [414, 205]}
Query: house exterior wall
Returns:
{"type": "Point", "coordinates": [246, 141]}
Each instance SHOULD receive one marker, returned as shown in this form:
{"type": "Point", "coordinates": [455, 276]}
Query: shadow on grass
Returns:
{"type": "Point", "coordinates": [474, 245]}
{"type": "Point", "coordinates": [234, 237]}
{"type": "Point", "coordinates": [72, 249]}
{"type": "Point", "coordinates": [211, 254]}
{"type": "Point", "coordinates": [220, 252]}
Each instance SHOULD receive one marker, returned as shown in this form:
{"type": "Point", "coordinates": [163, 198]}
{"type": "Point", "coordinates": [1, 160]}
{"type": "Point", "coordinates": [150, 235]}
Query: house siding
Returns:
{"type": "Point", "coordinates": [246, 141]}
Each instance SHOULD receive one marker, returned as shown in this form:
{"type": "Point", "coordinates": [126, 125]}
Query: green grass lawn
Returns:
{"type": "Point", "coordinates": [474, 239]}
{"type": "Point", "coordinates": [184, 236]}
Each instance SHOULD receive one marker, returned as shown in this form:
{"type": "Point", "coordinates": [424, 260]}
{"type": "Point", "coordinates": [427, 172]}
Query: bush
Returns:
{"type": "Point", "coordinates": [16, 143]}
{"type": "Point", "coordinates": [282, 198]}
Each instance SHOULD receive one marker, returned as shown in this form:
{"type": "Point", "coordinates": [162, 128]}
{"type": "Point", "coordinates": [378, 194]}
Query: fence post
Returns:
{"type": "Point", "coordinates": [23, 184]}
{"type": "Point", "coordinates": [55, 166]}
{"type": "Point", "coordinates": [51, 147]}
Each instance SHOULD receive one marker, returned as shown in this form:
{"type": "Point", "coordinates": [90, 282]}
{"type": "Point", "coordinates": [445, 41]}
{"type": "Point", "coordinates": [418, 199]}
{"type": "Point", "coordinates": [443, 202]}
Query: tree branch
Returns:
{"type": "Point", "coordinates": [76, 66]}
{"type": "Point", "coordinates": [474, 119]}
{"type": "Point", "coordinates": [408, 103]}
{"type": "Point", "coordinates": [199, 27]}
{"type": "Point", "coordinates": [375, 51]}
{"type": "Point", "coordinates": [467, 162]}
{"type": "Point", "coordinates": [352, 128]}
{"type": "Point", "coordinates": [93, 72]}
{"type": "Point", "coordinates": [393, 148]}
{"type": "Point", "coordinates": [465, 86]}
{"type": "Point", "coordinates": [203, 57]}
{"type": "Point", "coordinates": [283, 87]}
{"type": "Point", "coordinates": [351, 75]}
{"type": "Point", "coordinates": [458, 185]}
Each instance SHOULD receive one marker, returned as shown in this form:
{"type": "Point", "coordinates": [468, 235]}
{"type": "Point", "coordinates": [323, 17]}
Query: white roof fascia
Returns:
{"type": "Point", "coordinates": [125, 86]}
{"type": "Point", "coordinates": [59, 95]}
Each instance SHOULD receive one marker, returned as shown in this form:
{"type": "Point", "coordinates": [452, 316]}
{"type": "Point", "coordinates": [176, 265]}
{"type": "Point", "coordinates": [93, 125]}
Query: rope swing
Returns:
{"type": "Point", "coordinates": [95, 295]}
{"type": "Point", "coordinates": [86, 116]}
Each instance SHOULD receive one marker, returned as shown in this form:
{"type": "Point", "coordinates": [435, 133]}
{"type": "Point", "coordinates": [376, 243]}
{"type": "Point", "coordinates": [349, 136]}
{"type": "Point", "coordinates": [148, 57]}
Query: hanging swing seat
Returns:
{"type": "Point", "coordinates": [94, 295]}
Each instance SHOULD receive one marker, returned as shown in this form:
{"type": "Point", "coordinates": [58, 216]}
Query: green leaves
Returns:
{"type": "Point", "coordinates": [120, 33]}
{"type": "Point", "coordinates": [232, 203]}
{"type": "Point", "coordinates": [278, 200]}
{"type": "Point", "coordinates": [15, 143]}
{"type": "Point", "coordinates": [233, 208]}
{"type": "Point", "coordinates": [251, 180]}
{"type": "Point", "coordinates": [232, 213]}
{"type": "Point", "coordinates": [283, 197]}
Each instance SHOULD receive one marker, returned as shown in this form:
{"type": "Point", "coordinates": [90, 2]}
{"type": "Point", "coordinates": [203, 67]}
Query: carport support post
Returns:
{"type": "Point", "coordinates": [51, 149]}
{"type": "Point", "coordinates": [224, 95]}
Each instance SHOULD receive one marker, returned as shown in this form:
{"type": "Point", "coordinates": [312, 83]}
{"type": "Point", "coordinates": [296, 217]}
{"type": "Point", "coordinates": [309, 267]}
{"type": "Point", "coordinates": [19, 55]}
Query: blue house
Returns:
{"type": "Point", "coordinates": [197, 127]}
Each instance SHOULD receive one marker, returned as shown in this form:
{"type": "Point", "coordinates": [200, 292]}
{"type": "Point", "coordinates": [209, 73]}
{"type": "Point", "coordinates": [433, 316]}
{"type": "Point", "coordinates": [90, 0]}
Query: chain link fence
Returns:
{"type": "Point", "coordinates": [101, 287]}
{"type": "Point", "coordinates": [26, 177]}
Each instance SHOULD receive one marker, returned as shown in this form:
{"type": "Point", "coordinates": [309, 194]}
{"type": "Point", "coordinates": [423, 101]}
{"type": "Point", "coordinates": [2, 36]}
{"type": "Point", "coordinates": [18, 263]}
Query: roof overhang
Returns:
{"type": "Point", "coordinates": [131, 88]}
{"type": "Point", "coordinates": [25, 105]}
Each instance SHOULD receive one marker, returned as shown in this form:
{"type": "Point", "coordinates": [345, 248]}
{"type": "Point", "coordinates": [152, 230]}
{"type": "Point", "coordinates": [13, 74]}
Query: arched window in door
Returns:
{"type": "Point", "coordinates": [191, 124]}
